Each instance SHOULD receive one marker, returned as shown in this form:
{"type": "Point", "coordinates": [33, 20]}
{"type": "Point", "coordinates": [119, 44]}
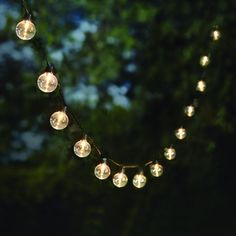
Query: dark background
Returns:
{"type": "Point", "coordinates": [127, 68]}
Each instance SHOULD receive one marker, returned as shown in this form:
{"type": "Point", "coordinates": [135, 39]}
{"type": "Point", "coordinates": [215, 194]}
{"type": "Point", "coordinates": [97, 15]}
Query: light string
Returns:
{"type": "Point", "coordinates": [59, 120]}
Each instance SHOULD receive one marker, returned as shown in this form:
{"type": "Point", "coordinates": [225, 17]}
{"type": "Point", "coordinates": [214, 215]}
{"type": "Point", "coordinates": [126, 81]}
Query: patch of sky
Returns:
{"type": "Point", "coordinates": [118, 94]}
{"type": "Point", "coordinates": [131, 67]}
{"type": "Point", "coordinates": [7, 10]}
{"type": "Point", "coordinates": [31, 140]}
{"type": "Point", "coordinates": [85, 94]}
{"type": "Point", "coordinates": [9, 49]}
{"type": "Point", "coordinates": [74, 41]}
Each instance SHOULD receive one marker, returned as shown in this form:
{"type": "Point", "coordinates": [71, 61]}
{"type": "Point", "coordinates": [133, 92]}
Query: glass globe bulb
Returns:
{"type": "Point", "coordinates": [204, 61]}
{"type": "Point", "coordinates": [169, 153]}
{"type": "Point", "coordinates": [82, 148]}
{"type": "Point", "coordinates": [180, 133]}
{"type": "Point", "coordinates": [215, 35]}
{"type": "Point", "coordinates": [156, 169]}
{"type": "Point", "coordinates": [201, 86]}
{"type": "Point", "coordinates": [47, 82]}
{"type": "Point", "coordinates": [139, 180]}
{"type": "Point", "coordinates": [120, 179]}
{"type": "Point", "coordinates": [25, 30]}
{"type": "Point", "coordinates": [189, 110]}
{"type": "Point", "coordinates": [59, 120]}
{"type": "Point", "coordinates": [102, 171]}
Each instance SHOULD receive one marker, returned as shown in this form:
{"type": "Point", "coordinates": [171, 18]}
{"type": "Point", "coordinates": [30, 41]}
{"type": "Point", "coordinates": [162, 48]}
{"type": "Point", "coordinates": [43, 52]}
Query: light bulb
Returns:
{"type": "Point", "coordinates": [82, 148]}
{"type": "Point", "coordinates": [189, 110]}
{"type": "Point", "coordinates": [169, 153]}
{"type": "Point", "coordinates": [204, 61]}
{"type": "Point", "coordinates": [25, 29]}
{"type": "Point", "coordinates": [120, 179]}
{"type": "Point", "coordinates": [201, 86]}
{"type": "Point", "coordinates": [180, 133]}
{"type": "Point", "coordinates": [139, 180]}
{"type": "Point", "coordinates": [156, 169]}
{"type": "Point", "coordinates": [59, 120]}
{"type": "Point", "coordinates": [215, 35]}
{"type": "Point", "coordinates": [102, 171]}
{"type": "Point", "coordinates": [47, 82]}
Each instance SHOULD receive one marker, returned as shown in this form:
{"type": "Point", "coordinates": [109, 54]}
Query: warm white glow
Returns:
{"type": "Point", "coordinates": [215, 35]}
{"type": "Point", "coordinates": [139, 180]}
{"type": "Point", "coordinates": [25, 30]}
{"type": "Point", "coordinates": [47, 82]}
{"type": "Point", "coordinates": [59, 120]}
{"type": "Point", "coordinates": [169, 153]}
{"type": "Point", "coordinates": [82, 148]}
{"type": "Point", "coordinates": [180, 133]}
{"type": "Point", "coordinates": [156, 169]}
{"type": "Point", "coordinates": [204, 61]}
{"type": "Point", "coordinates": [102, 171]}
{"type": "Point", "coordinates": [189, 110]}
{"type": "Point", "coordinates": [201, 86]}
{"type": "Point", "coordinates": [120, 179]}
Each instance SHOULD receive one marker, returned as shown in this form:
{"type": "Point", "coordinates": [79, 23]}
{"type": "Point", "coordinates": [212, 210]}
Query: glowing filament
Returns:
{"type": "Point", "coordinates": [25, 30]}
{"type": "Point", "coordinates": [169, 153]}
{"type": "Point", "coordinates": [47, 82]}
{"type": "Point", "coordinates": [201, 86]}
{"type": "Point", "coordinates": [102, 171]}
{"type": "Point", "coordinates": [189, 110]}
{"type": "Point", "coordinates": [215, 35]}
{"type": "Point", "coordinates": [180, 133]}
{"type": "Point", "coordinates": [120, 179]}
{"type": "Point", "coordinates": [59, 120]}
{"type": "Point", "coordinates": [204, 61]}
{"type": "Point", "coordinates": [139, 180]}
{"type": "Point", "coordinates": [156, 169]}
{"type": "Point", "coordinates": [82, 148]}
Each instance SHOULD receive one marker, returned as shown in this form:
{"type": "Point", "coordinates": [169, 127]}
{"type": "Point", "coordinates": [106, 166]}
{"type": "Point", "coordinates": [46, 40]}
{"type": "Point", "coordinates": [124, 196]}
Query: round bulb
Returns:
{"type": "Point", "coordinates": [215, 35]}
{"type": "Point", "coordinates": [59, 120]}
{"type": "Point", "coordinates": [120, 179]}
{"type": "Point", "coordinates": [180, 133]}
{"type": "Point", "coordinates": [82, 148]}
{"type": "Point", "coordinates": [25, 30]}
{"type": "Point", "coordinates": [139, 180]}
{"type": "Point", "coordinates": [201, 86]}
{"type": "Point", "coordinates": [47, 82]}
{"type": "Point", "coordinates": [204, 61]}
{"type": "Point", "coordinates": [189, 110]}
{"type": "Point", "coordinates": [102, 171]}
{"type": "Point", "coordinates": [169, 153]}
{"type": "Point", "coordinates": [156, 169]}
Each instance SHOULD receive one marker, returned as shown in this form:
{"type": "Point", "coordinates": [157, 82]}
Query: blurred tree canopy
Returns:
{"type": "Point", "coordinates": [127, 69]}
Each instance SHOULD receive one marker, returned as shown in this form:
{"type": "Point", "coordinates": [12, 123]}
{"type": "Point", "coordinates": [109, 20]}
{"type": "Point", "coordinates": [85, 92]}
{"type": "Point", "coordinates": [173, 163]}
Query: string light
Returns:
{"type": "Point", "coordinates": [139, 180]}
{"type": "Point", "coordinates": [102, 171]}
{"type": "Point", "coordinates": [48, 82]}
{"type": "Point", "coordinates": [82, 148]}
{"type": "Point", "coordinates": [59, 120]}
{"type": "Point", "coordinates": [215, 35]}
{"type": "Point", "coordinates": [120, 179]}
{"type": "Point", "coordinates": [201, 86]}
{"type": "Point", "coordinates": [169, 153]}
{"type": "Point", "coordinates": [180, 133]}
{"type": "Point", "coordinates": [189, 110]}
{"type": "Point", "coordinates": [204, 61]}
{"type": "Point", "coordinates": [156, 169]}
{"type": "Point", "coordinates": [25, 29]}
